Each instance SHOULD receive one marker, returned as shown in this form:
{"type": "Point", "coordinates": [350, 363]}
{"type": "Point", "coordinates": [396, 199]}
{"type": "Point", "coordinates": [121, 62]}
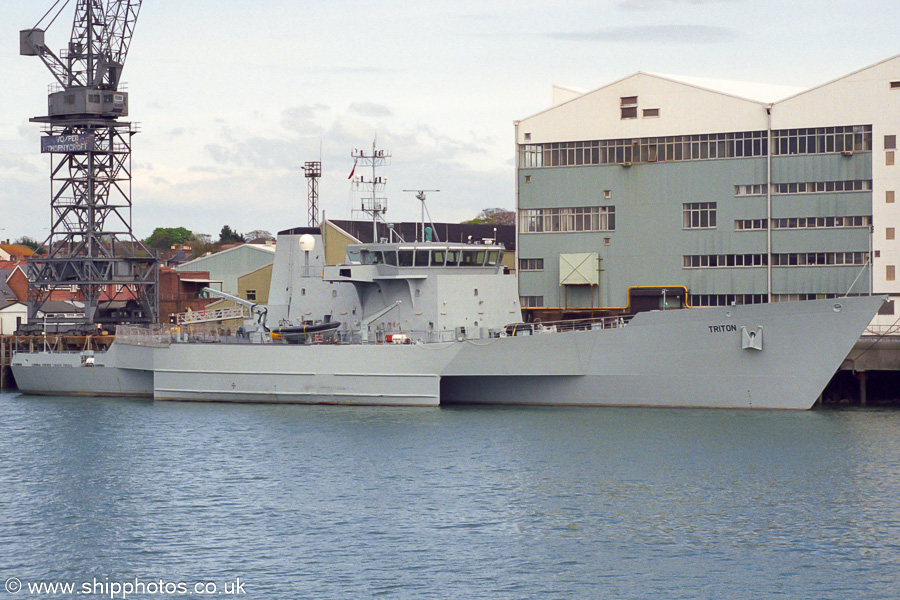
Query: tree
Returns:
{"type": "Point", "coordinates": [203, 244]}
{"type": "Point", "coordinates": [258, 234]}
{"type": "Point", "coordinates": [228, 236]}
{"type": "Point", "coordinates": [494, 216]}
{"type": "Point", "coordinates": [30, 242]}
{"type": "Point", "coordinates": [164, 238]}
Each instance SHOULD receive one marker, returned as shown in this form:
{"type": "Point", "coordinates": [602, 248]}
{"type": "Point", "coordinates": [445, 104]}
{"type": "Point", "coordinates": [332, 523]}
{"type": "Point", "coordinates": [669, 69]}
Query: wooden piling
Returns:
{"type": "Point", "coordinates": [862, 388]}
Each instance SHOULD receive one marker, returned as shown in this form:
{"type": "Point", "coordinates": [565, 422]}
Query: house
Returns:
{"type": "Point", "coordinates": [228, 265]}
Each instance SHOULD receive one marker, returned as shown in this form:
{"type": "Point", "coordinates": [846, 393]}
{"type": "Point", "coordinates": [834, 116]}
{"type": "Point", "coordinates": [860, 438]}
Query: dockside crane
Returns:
{"type": "Point", "coordinates": [91, 247]}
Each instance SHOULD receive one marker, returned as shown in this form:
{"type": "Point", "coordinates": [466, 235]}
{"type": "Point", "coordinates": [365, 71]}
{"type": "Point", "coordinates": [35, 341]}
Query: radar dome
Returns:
{"type": "Point", "coordinates": [307, 242]}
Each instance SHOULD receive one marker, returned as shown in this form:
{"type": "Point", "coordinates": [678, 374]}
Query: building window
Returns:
{"type": "Point", "coordinates": [822, 140]}
{"type": "Point", "coordinates": [251, 295]}
{"type": "Point", "coordinates": [751, 224]}
{"type": "Point", "coordinates": [800, 297]}
{"type": "Point", "coordinates": [528, 179]}
{"type": "Point", "coordinates": [699, 215]}
{"type": "Point", "coordinates": [756, 189]}
{"type": "Point", "coordinates": [799, 259]}
{"type": "Point", "coordinates": [890, 142]}
{"type": "Point", "coordinates": [889, 197]}
{"type": "Point", "coordinates": [628, 105]}
{"type": "Point", "coordinates": [889, 158]}
{"type": "Point", "coordinates": [650, 112]}
{"type": "Point", "coordinates": [718, 261]}
{"type": "Point", "coordinates": [895, 85]}
{"type": "Point", "coordinates": [527, 137]}
{"type": "Point", "coordinates": [531, 264]}
{"type": "Point", "coordinates": [889, 272]}
{"type": "Point", "coordinates": [607, 194]}
{"type": "Point", "coordinates": [641, 150]}
{"type": "Point", "coordinates": [889, 233]}
{"type": "Point", "coordinates": [726, 299]}
{"type": "Point", "coordinates": [562, 220]}
{"type": "Point", "coordinates": [805, 187]}
{"type": "Point", "coordinates": [531, 301]}
{"type": "Point", "coordinates": [804, 223]}
{"type": "Point", "coordinates": [818, 259]}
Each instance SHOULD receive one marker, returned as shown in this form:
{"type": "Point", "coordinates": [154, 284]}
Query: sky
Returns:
{"type": "Point", "coordinates": [232, 97]}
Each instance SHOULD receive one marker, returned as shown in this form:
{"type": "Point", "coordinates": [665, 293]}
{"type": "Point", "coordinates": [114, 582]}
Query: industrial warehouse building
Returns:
{"type": "Point", "coordinates": [656, 190]}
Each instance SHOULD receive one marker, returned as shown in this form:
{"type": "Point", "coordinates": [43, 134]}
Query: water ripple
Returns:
{"type": "Point", "coordinates": [340, 502]}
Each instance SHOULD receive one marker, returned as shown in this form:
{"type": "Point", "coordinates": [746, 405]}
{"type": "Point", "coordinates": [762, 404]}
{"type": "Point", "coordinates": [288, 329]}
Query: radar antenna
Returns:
{"type": "Point", "coordinates": [420, 196]}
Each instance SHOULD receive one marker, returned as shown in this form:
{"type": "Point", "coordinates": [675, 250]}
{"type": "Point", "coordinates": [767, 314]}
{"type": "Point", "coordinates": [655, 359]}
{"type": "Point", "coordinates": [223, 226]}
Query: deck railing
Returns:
{"type": "Point", "coordinates": [154, 337]}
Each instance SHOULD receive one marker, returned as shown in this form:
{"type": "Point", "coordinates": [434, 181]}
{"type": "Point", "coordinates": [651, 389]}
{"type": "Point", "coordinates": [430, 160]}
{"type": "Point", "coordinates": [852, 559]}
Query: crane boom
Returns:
{"type": "Point", "coordinates": [98, 46]}
{"type": "Point", "coordinates": [121, 18]}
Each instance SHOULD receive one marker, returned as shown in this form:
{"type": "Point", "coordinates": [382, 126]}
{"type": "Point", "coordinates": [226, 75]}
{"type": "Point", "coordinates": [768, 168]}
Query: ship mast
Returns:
{"type": "Point", "coordinates": [372, 203]}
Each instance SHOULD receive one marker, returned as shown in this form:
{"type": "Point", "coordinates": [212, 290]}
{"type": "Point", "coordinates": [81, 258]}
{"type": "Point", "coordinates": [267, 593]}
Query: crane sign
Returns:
{"type": "Point", "coordinates": [91, 247]}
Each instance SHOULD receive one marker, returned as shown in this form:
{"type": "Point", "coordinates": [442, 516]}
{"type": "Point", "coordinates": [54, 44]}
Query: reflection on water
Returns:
{"type": "Point", "coordinates": [348, 502]}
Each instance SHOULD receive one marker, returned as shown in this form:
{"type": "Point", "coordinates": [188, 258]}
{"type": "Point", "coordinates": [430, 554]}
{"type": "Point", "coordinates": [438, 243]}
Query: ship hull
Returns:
{"type": "Point", "coordinates": [777, 356]}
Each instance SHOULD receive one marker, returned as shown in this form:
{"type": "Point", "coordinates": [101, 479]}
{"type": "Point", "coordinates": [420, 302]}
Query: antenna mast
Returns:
{"type": "Point", "coordinates": [372, 203]}
{"type": "Point", "coordinates": [420, 196]}
{"type": "Point", "coordinates": [313, 171]}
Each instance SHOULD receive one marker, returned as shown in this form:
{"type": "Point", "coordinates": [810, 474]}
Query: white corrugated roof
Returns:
{"type": "Point", "coordinates": [761, 92]}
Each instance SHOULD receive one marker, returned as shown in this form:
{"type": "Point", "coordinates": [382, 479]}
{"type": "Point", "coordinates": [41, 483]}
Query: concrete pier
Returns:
{"type": "Point", "coordinates": [869, 376]}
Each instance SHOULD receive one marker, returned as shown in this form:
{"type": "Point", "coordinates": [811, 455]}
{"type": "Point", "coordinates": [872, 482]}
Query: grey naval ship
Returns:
{"type": "Point", "coordinates": [427, 323]}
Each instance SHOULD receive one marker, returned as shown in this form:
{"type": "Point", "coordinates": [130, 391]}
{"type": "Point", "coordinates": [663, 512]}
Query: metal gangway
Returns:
{"type": "Point", "coordinates": [211, 316]}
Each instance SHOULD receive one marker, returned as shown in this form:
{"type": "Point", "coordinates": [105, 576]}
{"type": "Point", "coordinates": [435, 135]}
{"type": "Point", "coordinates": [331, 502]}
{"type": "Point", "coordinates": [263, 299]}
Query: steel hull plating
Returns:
{"type": "Point", "coordinates": [684, 358]}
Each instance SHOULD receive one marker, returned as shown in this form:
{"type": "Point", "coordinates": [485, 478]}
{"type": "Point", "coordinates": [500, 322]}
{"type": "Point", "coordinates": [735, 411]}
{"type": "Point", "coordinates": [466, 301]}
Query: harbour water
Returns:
{"type": "Point", "coordinates": [502, 503]}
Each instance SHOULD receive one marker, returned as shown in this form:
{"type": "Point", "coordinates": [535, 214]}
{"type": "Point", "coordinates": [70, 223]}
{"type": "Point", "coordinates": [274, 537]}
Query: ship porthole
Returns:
{"type": "Point", "coordinates": [837, 307]}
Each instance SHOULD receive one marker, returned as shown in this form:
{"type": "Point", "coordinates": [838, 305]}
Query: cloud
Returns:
{"type": "Point", "coordinates": [304, 120]}
{"type": "Point", "coordinates": [253, 181]}
{"type": "Point", "coordinates": [370, 109]}
{"type": "Point", "coordinates": [645, 4]}
{"type": "Point", "coordinates": [663, 34]}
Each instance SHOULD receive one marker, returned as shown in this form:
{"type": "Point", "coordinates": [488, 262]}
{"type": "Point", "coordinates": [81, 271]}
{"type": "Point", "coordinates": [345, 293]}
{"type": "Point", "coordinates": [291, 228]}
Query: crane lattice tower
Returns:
{"type": "Point", "coordinates": [91, 248]}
